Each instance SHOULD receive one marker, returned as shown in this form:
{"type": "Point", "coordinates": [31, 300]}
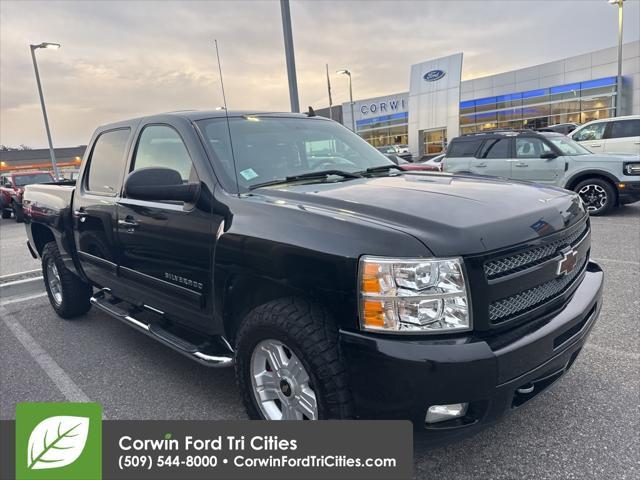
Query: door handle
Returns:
{"type": "Point", "coordinates": [522, 164]}
{"type": "Point", "coordinates": [481, 165]}
{"type": "Point", "coordinates": [128, 223]}
{"type": "Point", "coordinates": [80, 214]}
{"type": "Point", "coordinates": [595, 145]}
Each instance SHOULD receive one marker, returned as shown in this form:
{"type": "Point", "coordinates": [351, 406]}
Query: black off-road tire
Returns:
{"type": "Point", "coordinates": [310, 332]}
{"type": "Point", "coordinates": [6, 213]}
{"type": "Point", "coordinates": [18, 214]}
{"type": "Point", "coordinates": [598, 184]}
{"type": "Point", "coordinates": [75, 292]}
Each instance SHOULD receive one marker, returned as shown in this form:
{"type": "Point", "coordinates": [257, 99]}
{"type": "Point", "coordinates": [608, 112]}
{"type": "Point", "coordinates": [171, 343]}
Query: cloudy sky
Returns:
{"type": "Point", "coordinates": [122, 59]}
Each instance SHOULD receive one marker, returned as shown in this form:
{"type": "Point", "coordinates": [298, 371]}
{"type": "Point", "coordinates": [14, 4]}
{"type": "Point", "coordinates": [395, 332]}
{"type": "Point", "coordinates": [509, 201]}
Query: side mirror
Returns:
{"type": "Point", "coordinates": [159, 184]}
{"type": "Point", "coordinates": [549, 156]}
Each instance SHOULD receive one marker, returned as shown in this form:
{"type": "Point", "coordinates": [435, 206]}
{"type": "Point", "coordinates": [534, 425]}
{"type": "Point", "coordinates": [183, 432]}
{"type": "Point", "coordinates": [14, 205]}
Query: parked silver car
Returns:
{"type": "Point", "coordinates": [602, 181]}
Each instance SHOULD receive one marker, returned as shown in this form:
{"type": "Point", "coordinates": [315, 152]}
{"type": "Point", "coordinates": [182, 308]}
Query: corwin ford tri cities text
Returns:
{"type": "Point", "coordinates": [338, 285]}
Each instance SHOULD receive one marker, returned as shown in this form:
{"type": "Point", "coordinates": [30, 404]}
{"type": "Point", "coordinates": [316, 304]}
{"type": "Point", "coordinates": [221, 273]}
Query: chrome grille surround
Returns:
{"type": "Point", "coordinates": [506, 308]}
{"type": "Point", "coordinates": [520, 261]}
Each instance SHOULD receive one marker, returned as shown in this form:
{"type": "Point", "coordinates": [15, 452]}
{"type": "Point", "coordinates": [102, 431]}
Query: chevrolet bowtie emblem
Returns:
{"type": "Point", "coordinates": [567, 263]}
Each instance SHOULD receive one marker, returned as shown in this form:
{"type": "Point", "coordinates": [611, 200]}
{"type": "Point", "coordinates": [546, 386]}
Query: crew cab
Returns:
{"type": "Point", "coordinates": [603, 181]}
{"type": "Point", "coordinates": [12, 187]}
{"type": "Point", "coordinates": [338, 285]}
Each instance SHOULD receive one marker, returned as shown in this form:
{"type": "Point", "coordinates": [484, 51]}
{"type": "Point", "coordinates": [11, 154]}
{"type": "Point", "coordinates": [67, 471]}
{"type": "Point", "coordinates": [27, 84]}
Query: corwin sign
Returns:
{"type": "Point", "coordinates": [434, 75]}
{"type": "Point", "coordinates": [395, 105]}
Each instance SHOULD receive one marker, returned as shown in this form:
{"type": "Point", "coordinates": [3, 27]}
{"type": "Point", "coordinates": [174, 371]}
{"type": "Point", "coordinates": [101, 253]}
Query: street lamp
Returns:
{"type": "Point", "coordinates": [53, 46]}
{"type": "Point", "coordinates": [619, 79]}
{"type": "Point", "coordinates": [353, 117]}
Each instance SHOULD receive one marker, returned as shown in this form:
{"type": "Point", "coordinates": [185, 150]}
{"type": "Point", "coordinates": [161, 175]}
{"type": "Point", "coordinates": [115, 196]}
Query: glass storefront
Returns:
{"type": "Point", "coordinates": [433, 142]}
{"type": "Point", "coordinates": [386, 130]}
{"type": "Point", "coordinates": [577, 103]}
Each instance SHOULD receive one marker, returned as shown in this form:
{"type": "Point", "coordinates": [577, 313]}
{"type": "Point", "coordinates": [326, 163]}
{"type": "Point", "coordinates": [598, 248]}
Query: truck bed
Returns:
{"type": "Point", "coordinates": [47, 199]}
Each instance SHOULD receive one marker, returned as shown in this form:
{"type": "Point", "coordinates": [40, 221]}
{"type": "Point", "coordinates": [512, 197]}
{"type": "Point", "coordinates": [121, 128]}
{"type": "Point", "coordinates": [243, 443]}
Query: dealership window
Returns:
{"type": "Point", "coordinates": [578, 102]}
{"type": "Point", "coordinates": [385, 130]}
{"type": "Point", "coordinates": [434, 141]}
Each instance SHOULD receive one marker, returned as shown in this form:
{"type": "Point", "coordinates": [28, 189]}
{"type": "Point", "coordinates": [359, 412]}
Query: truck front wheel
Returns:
{"type": "Point", "coordinates": [68, 294]}
{"type": "Point", "coordinates": [288, 364]}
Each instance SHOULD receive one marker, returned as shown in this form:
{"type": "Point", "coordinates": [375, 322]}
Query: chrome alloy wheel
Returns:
{"type": "Point", "coordinates": [593, 196]}
{"type": "Point", "coordinates": [281, 385]}
{"type": "Point", "coordinates": [53, 279]}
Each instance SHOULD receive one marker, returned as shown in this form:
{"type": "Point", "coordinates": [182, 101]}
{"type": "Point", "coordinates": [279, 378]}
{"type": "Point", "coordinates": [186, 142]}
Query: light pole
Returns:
{"type": "Point", "coordinates": [54, 46]}
{"type": "Point", "coordinates": [289, 55]}
{"type": "Point", "coordinates": [353, 117]}
{"type": "Point", "coordinates": [619, 79]}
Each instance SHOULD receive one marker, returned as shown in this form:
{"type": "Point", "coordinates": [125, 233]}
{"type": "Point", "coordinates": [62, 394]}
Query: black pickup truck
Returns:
{"type": "Point", "coordinates": [338, 285]}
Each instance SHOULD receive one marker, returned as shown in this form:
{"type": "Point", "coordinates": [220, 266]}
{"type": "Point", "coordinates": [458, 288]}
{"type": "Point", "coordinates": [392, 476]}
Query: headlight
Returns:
{"type": "Point", "coordinates": [632, 168]}
{"type": "Point", "coordinates": [413, 295]}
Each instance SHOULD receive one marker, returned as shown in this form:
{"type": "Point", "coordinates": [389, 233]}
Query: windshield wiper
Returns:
{"type": "Point", "coordinates": [305, 176]}
{"type": "Point", "coordinates": [381, 168]}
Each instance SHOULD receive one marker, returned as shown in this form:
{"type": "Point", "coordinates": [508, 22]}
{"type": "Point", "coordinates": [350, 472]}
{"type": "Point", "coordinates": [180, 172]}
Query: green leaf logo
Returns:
{"type": "Point", "coordinates": [57, 442]}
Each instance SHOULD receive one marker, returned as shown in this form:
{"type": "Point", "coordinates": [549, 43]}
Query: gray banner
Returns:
{"type": "Point", "coordinates": [257, 450]}
{"type": "Point", "coordinates": [248, 450]}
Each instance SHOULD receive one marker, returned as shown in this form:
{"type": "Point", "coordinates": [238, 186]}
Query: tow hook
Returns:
{"type": "Point", "coordinates": [526, 389]}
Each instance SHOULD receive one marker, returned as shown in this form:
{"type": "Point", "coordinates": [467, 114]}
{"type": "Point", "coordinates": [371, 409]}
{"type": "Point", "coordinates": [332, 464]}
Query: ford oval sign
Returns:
{"type": "Point", "coordinates": [434, 75]}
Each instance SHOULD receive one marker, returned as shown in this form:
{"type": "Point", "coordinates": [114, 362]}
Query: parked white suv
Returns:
{"type": "Point", "coordinates": [611, 135]}
{"type": "Point", "coordinates": [603, 181]}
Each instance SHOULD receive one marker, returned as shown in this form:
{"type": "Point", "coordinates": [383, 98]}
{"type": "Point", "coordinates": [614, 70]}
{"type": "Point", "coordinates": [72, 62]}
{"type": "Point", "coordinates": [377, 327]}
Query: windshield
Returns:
{"type": "Point", "coordinates": [568, 146]}
{"type": "Point", "coordinates": [273, 148]}
{"type": "Point", "coordinates": [22, 180]}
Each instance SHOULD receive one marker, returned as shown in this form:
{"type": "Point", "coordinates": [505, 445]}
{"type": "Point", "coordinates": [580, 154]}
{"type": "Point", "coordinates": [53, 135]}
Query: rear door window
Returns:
{"type": "Point", "coordinates": [465, 148]}
{"type": "Point", "coordinates": [496, 148]}
{"type": "Point", "coordinates": [624, 128]}
{"type": "Point", "coordinates": [106, 163]}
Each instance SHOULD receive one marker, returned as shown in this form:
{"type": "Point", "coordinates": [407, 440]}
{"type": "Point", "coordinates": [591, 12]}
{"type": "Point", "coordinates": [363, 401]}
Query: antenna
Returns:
{"type": "Point", "coordinates": [226, 114]}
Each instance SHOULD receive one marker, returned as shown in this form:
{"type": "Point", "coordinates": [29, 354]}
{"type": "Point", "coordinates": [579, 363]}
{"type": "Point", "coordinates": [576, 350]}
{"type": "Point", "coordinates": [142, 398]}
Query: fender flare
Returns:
{"type": "Point", "coordinates": [589, 173]}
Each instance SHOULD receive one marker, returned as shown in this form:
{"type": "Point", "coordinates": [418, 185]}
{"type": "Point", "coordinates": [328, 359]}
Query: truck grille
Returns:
{"type": "Point", "coordinates": [506, 308]}
{"type": "Point", "coordinates": [521, 261]}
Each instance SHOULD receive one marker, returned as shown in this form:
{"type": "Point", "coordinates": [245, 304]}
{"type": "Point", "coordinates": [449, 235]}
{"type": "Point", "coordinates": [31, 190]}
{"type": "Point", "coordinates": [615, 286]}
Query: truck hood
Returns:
{"type": "Point", "coordinates": [451, 214]}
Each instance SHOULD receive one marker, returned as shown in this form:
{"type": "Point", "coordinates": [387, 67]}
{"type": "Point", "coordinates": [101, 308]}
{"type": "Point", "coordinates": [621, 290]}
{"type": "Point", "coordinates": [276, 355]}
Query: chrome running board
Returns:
{"type": "Point", "coordinates": [217, 356]}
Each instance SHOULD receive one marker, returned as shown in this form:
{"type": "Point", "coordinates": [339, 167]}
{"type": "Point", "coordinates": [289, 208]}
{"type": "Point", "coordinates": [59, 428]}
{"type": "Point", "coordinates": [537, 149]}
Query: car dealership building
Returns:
{"type": "Point", "coordinates": [440, 106]}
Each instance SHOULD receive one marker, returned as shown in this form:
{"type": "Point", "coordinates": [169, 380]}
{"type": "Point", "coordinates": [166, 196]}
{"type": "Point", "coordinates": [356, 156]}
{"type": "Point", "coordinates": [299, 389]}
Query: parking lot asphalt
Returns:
{"type": "Point", "coordinates": [586, 426]}
{"type": "Point", "coordinates": [13, 248]}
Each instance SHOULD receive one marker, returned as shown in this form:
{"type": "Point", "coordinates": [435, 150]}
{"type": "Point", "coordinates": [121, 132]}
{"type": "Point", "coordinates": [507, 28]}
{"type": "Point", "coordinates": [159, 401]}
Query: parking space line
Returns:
{"type": "Point", "coordinates": [615, 260]}
{"type": "Point", "coordinates": [23, 299]}
{"type": "Point", "coordinates": [58, 376]}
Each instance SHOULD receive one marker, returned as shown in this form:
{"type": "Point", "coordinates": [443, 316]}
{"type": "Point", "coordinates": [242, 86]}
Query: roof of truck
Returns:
{"type": "Point", "coordinates": [194, 115]}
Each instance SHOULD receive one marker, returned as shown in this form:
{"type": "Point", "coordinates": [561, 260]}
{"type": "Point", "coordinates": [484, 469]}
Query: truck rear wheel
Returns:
{"type": "Point", "coordinates": [68, 294]}
{"type": "Point", "coordinates": [288, 364]}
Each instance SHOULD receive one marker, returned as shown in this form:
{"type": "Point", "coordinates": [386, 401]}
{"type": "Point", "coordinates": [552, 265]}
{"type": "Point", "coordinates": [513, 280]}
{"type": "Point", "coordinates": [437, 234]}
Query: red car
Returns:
{"type": "Point", "coordinates": [12, 187]}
